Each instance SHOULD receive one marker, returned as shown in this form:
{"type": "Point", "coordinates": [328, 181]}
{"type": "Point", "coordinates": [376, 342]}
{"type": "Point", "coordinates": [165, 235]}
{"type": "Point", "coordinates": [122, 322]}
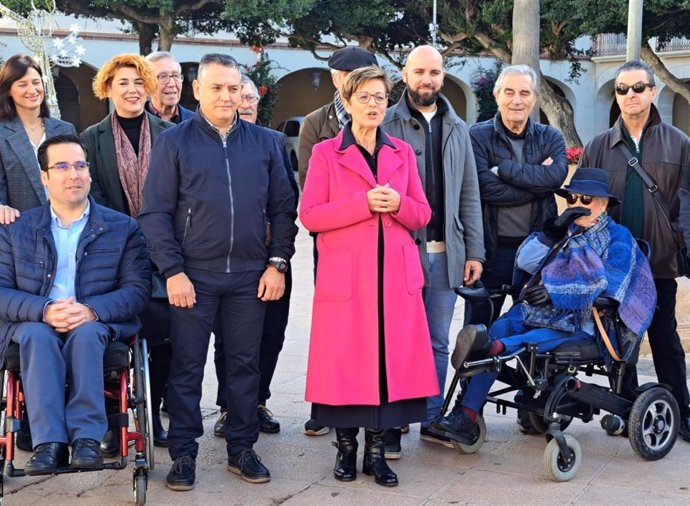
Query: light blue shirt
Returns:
{"type": "Point", "coordinates": [66, 242]}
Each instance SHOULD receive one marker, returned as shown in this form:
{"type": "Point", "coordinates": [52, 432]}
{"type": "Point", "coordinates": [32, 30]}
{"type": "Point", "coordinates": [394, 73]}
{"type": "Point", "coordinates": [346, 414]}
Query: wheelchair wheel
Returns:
{"type": "Point", "coordinates": [474, 448]}
{"type": "Point", "coordinates": [142, 395]}
{"type": "Point", "coordinates": [139, 485]}
{"type": "Point", "coordinates": [653, 424]}
{"type": "Point", "coordinates": [558, 468]}
{"type": "Point", "coordinates": [541, 426]}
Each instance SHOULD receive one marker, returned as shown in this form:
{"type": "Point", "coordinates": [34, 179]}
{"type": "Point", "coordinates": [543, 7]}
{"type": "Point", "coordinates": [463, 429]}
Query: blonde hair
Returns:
{"type": "Point", "coordinates": [358, 77]}
{"type": "Point", "coordinates": [104, 77]}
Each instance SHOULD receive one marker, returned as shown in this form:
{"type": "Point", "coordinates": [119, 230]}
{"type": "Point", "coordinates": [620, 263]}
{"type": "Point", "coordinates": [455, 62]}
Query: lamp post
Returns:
{"type": "Point", "coordinates": [634, 42]}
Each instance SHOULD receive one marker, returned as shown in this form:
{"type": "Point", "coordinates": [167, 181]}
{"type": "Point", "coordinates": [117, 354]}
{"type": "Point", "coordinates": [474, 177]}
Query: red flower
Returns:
{"type": "Point", "coordinates": [256, 49]}
{"type": "Point", "coordinates": [263, 89]}
{"type": "Point", "coordinates": [573, 154]}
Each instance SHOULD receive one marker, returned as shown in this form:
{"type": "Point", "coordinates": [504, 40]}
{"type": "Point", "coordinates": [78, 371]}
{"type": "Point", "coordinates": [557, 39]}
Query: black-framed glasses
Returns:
{"type": "Point", "coordinates": [165, 78]}
{"type": "Point", "coordinates": [622, 89]}
{"type": "Point", "coordinates": [363, 97]}
{"type": "Point", "coordinates": [65, 166]}
{"type": "Point", "coordinates": [572, 198]}
{"type": "Point", "coordinates": [251, 99]}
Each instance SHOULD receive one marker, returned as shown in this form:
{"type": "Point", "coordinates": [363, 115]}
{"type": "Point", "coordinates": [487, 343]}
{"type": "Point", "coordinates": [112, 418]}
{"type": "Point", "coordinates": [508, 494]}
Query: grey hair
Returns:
{"type": "Point", "coordinates": [247, 80]}
{"type": "Point", "coordinates": [636, 65]}
{"type": "Point", "coordinates": [162, 55]}
{"type": "Point", "coordinates": [218, 58]}
{"type": "Point", "coordinates": [517, 70]}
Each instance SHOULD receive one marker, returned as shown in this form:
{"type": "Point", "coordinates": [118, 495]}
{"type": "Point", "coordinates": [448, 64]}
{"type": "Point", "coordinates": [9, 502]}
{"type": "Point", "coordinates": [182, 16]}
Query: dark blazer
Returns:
{"type": "Point", "coordinates": [318, 126]}
{"type": "Point", "coordinates": [20, 179]}
{"type": "Point", "coordinates": [106, 188]}
{"type": "Point", "coordinates": [113, 274]}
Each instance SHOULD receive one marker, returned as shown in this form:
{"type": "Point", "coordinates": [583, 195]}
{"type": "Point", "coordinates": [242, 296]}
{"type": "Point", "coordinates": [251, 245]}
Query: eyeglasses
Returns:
{"type": "Point", "coordinates": [65, 166]}
{"type": "Point", "coordinates": [363, 97]}
{"type": "Point", "coordinates": [251, 99]}
{"type": "Point", "coordinates": [572, 198]}
{"type": "Point", "coordinates": [622, 89]}
{"type": "Point", "coordinates": [165, 78]}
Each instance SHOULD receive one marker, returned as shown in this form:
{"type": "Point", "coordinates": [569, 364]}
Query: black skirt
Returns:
{"type": "Point", "coordinates": [384, 416]}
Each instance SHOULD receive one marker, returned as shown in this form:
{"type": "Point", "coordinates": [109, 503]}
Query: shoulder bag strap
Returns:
{"type": "Point", "coordinates": [651, 185]}
{"type": "Point", "coordinates": [605, 336]}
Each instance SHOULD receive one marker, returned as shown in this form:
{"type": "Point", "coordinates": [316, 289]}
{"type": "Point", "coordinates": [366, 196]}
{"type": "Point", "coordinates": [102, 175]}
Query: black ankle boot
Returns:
{"type": "Point", "coordinates": [346, 460]}
{"type": "Point", "coordinates": [160, 435]}
{"type": "Point", "coordinates": [375, 461]}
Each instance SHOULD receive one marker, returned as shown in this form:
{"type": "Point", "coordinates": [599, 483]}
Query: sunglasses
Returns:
{"type": "Point", "coordinates": [572, 198]}
{"type": "Point", "coordinates": [622, 89]}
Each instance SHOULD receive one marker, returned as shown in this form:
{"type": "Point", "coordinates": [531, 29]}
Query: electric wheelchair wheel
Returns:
{"type": "Point", "coordinates": [473, 448]}
{"type": "Point", "coordinates": [541, 426]}
{"type": "Point", "coordinates": [560, 468]}
{"type": "Point", "coordinates": [142, 398]}
{"type": "Point", "coordinates": [653, 424]}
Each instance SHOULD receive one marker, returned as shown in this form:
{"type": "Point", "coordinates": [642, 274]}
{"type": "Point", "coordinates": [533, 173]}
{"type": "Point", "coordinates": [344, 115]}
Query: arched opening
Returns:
{"type": "Point", "coordinates": [681, 113]}
{"type": "Point", "coordinates": [559, 91]}
{"type": "Point", "coordinates": [76, 100]}
{"type": "Point", "coordinates": [301, 92]}
{"type": "Point", "coordinates": [189, 71]}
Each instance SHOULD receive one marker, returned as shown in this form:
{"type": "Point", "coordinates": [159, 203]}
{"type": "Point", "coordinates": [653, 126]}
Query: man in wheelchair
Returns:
{"type": "Point", "coordinates": [73, 275]}
{"type": "Point", "coordinates": [578, 256]}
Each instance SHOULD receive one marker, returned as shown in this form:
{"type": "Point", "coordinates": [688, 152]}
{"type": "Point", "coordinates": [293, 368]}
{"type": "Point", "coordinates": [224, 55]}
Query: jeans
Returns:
{"type": "Point", "coordinates": [511, 330]}
{"type": "Point", "coordinates": [439, 303]}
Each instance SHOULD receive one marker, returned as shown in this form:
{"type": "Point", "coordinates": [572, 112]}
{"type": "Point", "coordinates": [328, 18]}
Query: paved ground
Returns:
{"type": "Point", "coordinates": [507, 469]}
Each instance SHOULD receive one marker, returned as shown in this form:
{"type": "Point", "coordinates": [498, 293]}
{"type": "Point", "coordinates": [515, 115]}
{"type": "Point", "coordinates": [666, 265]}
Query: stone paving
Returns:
{"type": "Point", "coordinates": [506, 470]}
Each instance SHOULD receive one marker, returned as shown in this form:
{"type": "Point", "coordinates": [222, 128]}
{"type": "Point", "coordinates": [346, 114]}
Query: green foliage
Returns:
{"type": "Point", "coordinates": [267, 83]}
{"type": "Point", "coordinates": [482, 84]}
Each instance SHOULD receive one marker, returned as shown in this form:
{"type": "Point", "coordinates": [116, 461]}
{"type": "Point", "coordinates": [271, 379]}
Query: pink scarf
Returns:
{"type": "Point", "coordinates": [132, 169]}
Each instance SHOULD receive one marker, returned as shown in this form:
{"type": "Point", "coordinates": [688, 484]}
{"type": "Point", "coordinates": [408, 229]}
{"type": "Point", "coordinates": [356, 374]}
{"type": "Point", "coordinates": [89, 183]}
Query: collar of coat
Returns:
{"type": "Point", "coordinates": [617, 131]}
{"type": "Point", "coordinates": [95, 224]}
{"type": "Point", "coordinates": [503, 131]}
{"type": "Point", "coordinates": [402, 108]}
{"type": "Point", "coordinates": [389, 159]}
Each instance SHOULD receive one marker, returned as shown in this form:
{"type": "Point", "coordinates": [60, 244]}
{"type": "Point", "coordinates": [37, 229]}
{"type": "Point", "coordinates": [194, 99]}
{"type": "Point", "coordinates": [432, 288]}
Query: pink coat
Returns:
{"type": "Point", "coordinates": [343, 363]}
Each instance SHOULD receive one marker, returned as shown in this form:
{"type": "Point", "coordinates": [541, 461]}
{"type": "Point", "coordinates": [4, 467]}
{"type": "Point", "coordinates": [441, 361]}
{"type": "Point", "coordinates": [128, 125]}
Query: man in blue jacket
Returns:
{"type": "Point", "coordinates": [214, 183]}
{"type": "Point", "coordinates": [73, 275]}
{"type": "Point", "coordinates": [520, 165]}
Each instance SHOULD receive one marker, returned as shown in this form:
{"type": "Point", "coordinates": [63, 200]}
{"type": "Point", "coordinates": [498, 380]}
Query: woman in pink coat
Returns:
{"type": "Point", "coordinates": [370, 359]}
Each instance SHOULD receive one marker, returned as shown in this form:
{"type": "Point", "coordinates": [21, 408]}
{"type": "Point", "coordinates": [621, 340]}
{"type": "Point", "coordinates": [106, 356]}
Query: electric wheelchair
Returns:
{"type": "Point", "coordinates": [126, 371]}
{"type": "Point", "coordinates": [554, 393]}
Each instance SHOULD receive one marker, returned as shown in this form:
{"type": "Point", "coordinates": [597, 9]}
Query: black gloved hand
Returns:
{"type": "Point", "coordinates": [555, 228]}
{"type": "Point", "coordinates": [536, 296]}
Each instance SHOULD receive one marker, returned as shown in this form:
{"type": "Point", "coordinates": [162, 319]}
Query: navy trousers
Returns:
{"type": "Point", "coordinates": [667, 351]}
{"type": "Point", "coordinates": [50, 361]}
{"type": "Point", "coordinates": [499, 273]}
{"type": "Point", "coordinates": [272, 339]}
{"type": "Point", "coordinates": [233, 298]}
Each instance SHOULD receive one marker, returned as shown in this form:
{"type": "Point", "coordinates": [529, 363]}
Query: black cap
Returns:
{"type": "Point", "coordinates": [351, 58]}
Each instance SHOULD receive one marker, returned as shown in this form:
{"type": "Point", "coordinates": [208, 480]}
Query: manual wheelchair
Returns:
{"type": "Point", "coordinates": [126, 371]}
{"type": "Point", "coordinates": [553, 394]}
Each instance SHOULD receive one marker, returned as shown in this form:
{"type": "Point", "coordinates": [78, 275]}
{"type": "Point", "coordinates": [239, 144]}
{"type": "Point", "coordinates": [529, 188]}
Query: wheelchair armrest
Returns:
{"type": "Point", "coordinates": [476, 292]}
{"type": "Point", "coordinates": [606, 303]}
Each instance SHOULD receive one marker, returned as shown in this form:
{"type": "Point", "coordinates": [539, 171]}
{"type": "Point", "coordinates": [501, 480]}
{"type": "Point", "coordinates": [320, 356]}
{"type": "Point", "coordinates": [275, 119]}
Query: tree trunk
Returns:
{"type": "Point", "coordinates": [166, 33]}
{"type": "Point", "coordinates": [146, 35]}
{"type": "Point", "coordinates": [675, 84]}
{"type": "Point", "coordinates": [560, 113]}
{"type": "Point", "coordinates": [526, 38]}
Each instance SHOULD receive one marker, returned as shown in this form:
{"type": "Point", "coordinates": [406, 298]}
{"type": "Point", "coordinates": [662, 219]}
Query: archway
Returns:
{"type": "Point", "coordinates": [301, 92]}
{"type": "Point", "coordinates": [76, 100]}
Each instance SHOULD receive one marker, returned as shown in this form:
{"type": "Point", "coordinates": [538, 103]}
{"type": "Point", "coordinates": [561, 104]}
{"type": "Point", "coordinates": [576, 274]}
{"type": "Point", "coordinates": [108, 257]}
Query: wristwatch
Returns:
{"type": "Point", "coordinates": [279, 263]}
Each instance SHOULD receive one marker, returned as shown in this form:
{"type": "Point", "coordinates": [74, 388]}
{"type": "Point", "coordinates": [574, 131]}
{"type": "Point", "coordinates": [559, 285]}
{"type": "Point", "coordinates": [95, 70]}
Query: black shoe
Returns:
{"type": "Point", "coordinates": [160, 435]}
{"type": "Point", "coordinates": [346, 460]}
{"type": "Point", "coordinates": [182, 474]}
{"type": "Point", "coordinates": [473, 343]}
{"type": "Point", "coordinates": [219, 426]}
{"type": "Point", "coordinates": [313, 428]}
{"type": "Point", "coordinates": [267, 424]}
{"type": "Point", "coordinates": [86, 454]}
{"type": "Point", "coordinates": [375, 461]}
{"type": "Point", "coordinates": [248, 465]}
{"type": "Point", "coordinates": [684, 430]}
{"type": "Point", "coordinates": [456, 426]}
{"type": "Point", "coordinates": [426, 435]}
{"type": "Point", "coordinates": [391, 442]}
{"type": "Point", "coordinates": [47, 458]}
{"type": "Point", "coordinates": [110, 445]}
